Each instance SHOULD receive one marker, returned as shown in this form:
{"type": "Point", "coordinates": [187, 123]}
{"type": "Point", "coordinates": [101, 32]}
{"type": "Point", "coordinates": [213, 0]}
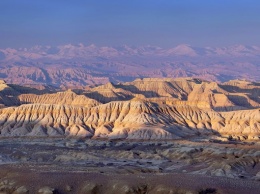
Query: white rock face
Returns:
{"type": "Point", "coordinates": [149, 108]}
{"type": "Point", "coordinates": [129, 119]}
{"type": "Point", "coordinates": [46, 190]}
{"type": "Point", "coordinates": [68, 97]}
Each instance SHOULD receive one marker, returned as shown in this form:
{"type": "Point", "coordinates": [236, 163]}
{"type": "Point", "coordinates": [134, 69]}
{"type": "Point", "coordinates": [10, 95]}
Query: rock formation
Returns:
{"type": "Point", "coordinates": [143, 109]}
{"type": "Point", "coordinates": [130, 119]}
{"type": "Point", "coordinates": [67, 97]}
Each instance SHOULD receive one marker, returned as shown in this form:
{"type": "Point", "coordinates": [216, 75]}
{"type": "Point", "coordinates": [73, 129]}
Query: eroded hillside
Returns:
{"type": "Point", "coordinates": [142, 109]}
{"type": "Point", "coordinates": [151, 135]}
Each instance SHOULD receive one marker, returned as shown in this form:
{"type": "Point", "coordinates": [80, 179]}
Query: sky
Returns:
{"type": "Point", "coordinates": [164, 23]}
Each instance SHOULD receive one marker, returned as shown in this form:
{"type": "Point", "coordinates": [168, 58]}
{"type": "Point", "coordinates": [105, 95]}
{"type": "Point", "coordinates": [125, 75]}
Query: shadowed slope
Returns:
{"type": "Point", "coordinates": [130, 119]}
{"type": "Point", "coordinates": [189, 91]}
{"type": "Point", "coordinates": [67, 97]}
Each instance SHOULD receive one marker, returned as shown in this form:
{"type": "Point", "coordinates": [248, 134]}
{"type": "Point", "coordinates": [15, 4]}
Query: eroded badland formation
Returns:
{"type": "Point", "coordinates": [151, 135]}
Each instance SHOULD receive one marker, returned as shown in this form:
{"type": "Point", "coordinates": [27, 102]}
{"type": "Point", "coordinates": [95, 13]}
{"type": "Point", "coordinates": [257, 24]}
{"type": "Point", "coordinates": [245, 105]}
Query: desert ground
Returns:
{"type": "Point", "coordinates": [100, 166]}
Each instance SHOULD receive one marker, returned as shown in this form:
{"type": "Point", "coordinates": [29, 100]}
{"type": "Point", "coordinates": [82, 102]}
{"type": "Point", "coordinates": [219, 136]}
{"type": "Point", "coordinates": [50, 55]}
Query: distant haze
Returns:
{"type": "Point", "coordinates": [74, 65]}
{"type": "Point", "coordinates": [165, 23]}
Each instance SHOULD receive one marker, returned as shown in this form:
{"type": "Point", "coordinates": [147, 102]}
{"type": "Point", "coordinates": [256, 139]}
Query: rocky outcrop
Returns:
{"type": "Point", "coordinates": [135, 119]}
{"type": "Point", "coordinates": [143, 109]}
{"type": "Point", "coordinates": [109, 92]}
{"type": "Point", "coordinates": [230, 96]}
{"type": "Point", "coordinates": [188, 91]}
{"type": "Point", "coordinates": [67, 97]}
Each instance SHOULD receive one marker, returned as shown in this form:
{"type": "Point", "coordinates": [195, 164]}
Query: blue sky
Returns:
{"type": "Point", "coordinates": [165, 23]}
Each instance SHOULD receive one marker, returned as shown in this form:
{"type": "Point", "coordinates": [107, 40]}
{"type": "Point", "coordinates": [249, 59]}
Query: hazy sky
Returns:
{"type": "Point", "coordinates": [165, 23]}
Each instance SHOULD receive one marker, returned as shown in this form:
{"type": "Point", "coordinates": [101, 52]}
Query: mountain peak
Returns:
{"type": "Point", "coordinates": [182, 49]}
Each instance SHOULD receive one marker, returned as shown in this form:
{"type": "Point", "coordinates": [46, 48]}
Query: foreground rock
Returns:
{"type": "Point", "coordinates": [47, 190]}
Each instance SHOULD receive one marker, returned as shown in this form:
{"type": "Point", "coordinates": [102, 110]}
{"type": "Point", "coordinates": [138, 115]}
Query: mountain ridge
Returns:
{"type": "Point", "coordinates": [149, 108]}
{"type": "Point", "coordinates": [73, 51]}
{"type": "Point", "coordinates": [69, 66]}
{"type": "Point", "coordinates": [129, 119]}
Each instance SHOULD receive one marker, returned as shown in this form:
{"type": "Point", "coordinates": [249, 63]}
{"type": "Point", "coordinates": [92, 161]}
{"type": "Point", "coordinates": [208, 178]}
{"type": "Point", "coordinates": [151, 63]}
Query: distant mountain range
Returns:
{"type": "Point", "coordinates": [80, 65]}
{"type": "Point", "coordinates": [81, 51]}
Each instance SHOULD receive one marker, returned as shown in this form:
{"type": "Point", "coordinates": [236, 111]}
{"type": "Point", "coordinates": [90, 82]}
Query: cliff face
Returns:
{"type": "Point", "coordinates": [189, 91]}
{"type": "Point", "coordinates": [233, 95]}
{"type": "Point", "coordinates": [129, 119]}
{"type": "Point", "coordinates": [68, 98]}
{"type": "Point", "coordinates": [143, 109]}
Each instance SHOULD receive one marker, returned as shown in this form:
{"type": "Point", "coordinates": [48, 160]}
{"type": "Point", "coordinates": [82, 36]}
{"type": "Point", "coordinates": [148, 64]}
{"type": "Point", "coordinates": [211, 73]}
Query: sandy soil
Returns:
{"type": "Point", "coordinates": [97, 166]}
